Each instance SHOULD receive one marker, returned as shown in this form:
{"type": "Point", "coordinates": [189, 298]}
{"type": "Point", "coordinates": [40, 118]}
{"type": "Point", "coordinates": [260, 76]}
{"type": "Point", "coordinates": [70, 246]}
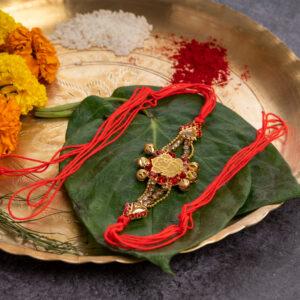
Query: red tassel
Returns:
{"type": "Point", "coordinates": [273, 127]}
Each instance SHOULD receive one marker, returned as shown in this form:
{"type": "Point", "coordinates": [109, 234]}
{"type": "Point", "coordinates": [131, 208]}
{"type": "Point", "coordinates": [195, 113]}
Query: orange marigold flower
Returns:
{"type": "Point", "coordinates": [36, 49]}
{"type": "Point", "coordinates": [10, 124]}
{"type": "Point", "coordinates": [45, 55]}
{"type": "Point", "coordinates": [32, 64]}
{"type": "Point", "coordinates": [19, 41]}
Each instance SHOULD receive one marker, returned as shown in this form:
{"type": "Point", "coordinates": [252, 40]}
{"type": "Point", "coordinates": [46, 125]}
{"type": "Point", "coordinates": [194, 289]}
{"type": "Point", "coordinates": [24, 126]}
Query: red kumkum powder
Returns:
{"type": "Point", "coordinates": [197, 62]}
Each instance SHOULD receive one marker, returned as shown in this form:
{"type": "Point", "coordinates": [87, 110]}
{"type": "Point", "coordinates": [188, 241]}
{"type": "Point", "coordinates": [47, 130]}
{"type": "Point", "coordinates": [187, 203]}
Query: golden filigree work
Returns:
{"type": "Point", "coordinates": [167, 165]}
{"type": "Point", "coordinates": [164, 170]}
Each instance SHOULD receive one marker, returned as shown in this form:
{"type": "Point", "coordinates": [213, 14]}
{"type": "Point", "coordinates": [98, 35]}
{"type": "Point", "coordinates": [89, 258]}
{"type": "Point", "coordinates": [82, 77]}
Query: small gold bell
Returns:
{"type": "Point", "coordinates": [141, 174]}
{"type": "Point", "coordinates": [191, 175]}
{"type": "Point", "coordinates": [184, 184]}
{"type": "Point", "coordinates": [149, 148]}
{"type": "Point", "coordinates": [194, 166]}
{"type": "Point", "coordinates": [143, 162]}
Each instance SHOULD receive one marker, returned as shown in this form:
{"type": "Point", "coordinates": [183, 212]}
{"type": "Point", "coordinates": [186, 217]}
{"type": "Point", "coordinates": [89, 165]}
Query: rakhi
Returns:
{"type": "Point", "coordinates": [162, 168]}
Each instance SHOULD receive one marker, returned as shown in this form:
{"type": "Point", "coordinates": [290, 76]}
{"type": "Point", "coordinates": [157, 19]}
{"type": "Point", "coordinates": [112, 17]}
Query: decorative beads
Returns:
{"type": "Point", "coordinates": [184, 184]}
{"type": "Point", "coordinates": [143, 162]}
{"type": "Point", "coordinates": [149, 148]}
{"type": "Point", "coordinates": [164, 170]}
{"type": "Point", "coordinates": [142, 174]}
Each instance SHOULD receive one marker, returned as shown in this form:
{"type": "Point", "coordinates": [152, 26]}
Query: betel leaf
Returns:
{"type": "Point", "coordinates": [272, 180]}
{"type": "Point", "coordinates": [107, 180]}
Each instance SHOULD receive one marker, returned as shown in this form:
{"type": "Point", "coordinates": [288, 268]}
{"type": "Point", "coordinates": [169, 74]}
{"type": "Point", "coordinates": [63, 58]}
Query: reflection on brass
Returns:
{"type": "Point", "coordinates": [274, 86]}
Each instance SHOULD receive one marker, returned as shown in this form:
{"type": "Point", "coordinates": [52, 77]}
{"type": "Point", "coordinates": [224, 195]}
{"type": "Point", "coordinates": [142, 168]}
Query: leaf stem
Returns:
{"type": "Point", "coordinates": [53, 114]}
{"type": "Point", "coordinates": [68, 106]}
{"type": "Point", "coordinates": [65, 110]}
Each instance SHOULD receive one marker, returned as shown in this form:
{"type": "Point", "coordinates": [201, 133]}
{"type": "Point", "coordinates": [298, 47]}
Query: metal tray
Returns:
{"type": "Point", "coordinates": [273, 86]}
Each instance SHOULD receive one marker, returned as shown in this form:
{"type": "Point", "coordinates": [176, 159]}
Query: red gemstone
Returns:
{"type": "Point", "coordinates": [162, 179]}
{"type": "Point", "coordinates": [172, 154]}
{"type": "Point", "coordinates": [148, 168]}
{"type": "Point", "coordinates": [153, 174]}
{"type": "Point", "coordinates": [182, 175]}
{"type": "Point", "coordinates": [175, 180]}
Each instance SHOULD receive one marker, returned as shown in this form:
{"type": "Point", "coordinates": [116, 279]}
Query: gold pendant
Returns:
{"type": "Point", "coordinates": [164, 170]}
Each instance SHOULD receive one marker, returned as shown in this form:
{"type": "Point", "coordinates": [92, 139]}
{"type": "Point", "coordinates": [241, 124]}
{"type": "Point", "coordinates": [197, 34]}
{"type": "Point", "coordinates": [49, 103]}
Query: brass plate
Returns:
{"type": "Point", "coordinates": [273, 86]}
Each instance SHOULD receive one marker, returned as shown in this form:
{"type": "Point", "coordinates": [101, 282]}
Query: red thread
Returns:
{"type": "Point", "coordinates": [108, 132]}
{"type": "Point", "coordinates": [273, 127]}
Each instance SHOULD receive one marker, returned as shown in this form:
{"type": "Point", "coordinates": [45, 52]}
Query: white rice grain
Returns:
{"type": "Point", "coordinates": [118, 31]}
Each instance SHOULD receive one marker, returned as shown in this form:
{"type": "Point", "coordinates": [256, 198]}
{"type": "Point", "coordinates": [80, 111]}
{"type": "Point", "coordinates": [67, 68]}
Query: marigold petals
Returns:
{"type": "Point", "coordinates": [32, 64]}
{"type": "Point", "coordinates": [7, 25]}
{"type": "Point", "coordinates": [45, 56]}
{"type": "Point", "coordinates": [10, 124]}
{"type": "Point", "coordinates": [29, 93]}
{"type": "Point", "coordinates": [36, 49]}
{"type": "Point", "coordinates": [19, 42]}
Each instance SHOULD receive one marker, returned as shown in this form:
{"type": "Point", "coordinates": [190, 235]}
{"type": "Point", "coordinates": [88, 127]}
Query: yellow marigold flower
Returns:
{"type": "Point", "coordinates": [38, 52]}
{"type": "Point", "coordinates": [16, 80]}
{"type": "Point", "coordinates": [10, 124]}
{"type": "Point", "coordinates": [7, 25]}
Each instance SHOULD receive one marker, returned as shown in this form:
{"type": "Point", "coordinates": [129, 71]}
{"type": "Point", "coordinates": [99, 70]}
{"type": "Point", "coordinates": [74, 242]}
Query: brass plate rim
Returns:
{"type": "Point", "coordinates": [258, 26]}
{"type": "Point", "coordinates": [249, 220]}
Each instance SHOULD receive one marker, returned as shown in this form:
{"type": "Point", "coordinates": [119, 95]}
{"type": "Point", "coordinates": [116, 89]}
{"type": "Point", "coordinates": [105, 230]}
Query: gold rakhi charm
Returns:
{"type": "Point", "coordinates": [164, 170]}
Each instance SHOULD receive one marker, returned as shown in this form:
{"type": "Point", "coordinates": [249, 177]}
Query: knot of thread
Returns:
{"type": "Point", "coordinates": [123, 220]}
{"type": "Point", "coordinates": [199, 120]}
{"type": "Point", "coordinates": [112, 233]}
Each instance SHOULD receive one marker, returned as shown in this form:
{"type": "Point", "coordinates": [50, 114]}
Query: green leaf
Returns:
{"type": "Point", "coordinates": [269, 186]}
{"type": "Point", "coordinates": [107, 180]}
{"type": "Point", "coordinates": [272, 181]}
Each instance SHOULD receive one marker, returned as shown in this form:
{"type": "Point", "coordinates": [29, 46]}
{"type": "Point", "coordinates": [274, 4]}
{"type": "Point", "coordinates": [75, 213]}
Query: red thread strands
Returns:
{"type": "Point", "coordinates": [43, 164]}
{"type": "Point", "coordinates": [107, 133]}
{"type": "Point", "coordinates": [273, 127]}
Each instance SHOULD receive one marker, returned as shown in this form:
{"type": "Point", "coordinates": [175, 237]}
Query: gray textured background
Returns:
{"type": "Point", "coordinates": [262, 262]}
